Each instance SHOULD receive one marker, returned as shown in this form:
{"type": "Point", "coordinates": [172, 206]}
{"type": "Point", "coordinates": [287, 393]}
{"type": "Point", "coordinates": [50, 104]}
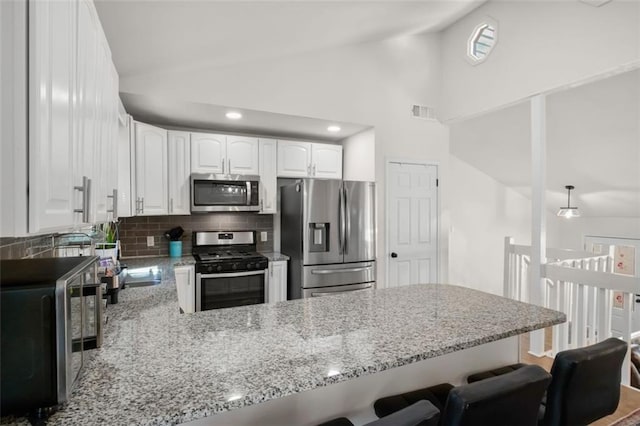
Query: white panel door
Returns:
{"type": "Point", "coordinates": [294, 159]}
{"type": "Point", "coordinates": [242, 156]}
{"type": "Point", "coordinates": [412, 223]}
{"type": "Point", "coordinates": [277, 281]}
{"type": "Point", "coordinates": [208, 153]}
{"type": "Point", "coordinates": [52, 71]}
{"type": "Point", "coordinates": [268, 177]}
{"type": "Point", "coordinates": [103, 155]}
{"type": "Point", "coordinates": [326, 161]}
{"type": "Point", "coordinates": [151, 170]}
{"type": "Point", "coordinates": [179, 170]}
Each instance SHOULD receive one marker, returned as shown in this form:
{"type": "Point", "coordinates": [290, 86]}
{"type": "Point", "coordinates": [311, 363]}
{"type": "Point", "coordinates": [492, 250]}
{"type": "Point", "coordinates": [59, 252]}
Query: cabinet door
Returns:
{"type": "Point", "coordinates": [268, 178]}
{"type": "Point", "coordinates": [151, 170]}
{"type": "Point", "coordinates": [294, 159]}
{"type": "Point", "coordinates": [327, 161]}
{"type": "Point", "coordinates": [242, 155]}
{"type": "Point", "coordinates": [185, 285]}
{"type": "Point", "coordinates": [179, 170]}
{"type": "Point", "coordinates": [277, 281]}
{"type": "Point", "coordinates": [52, 71]}
{"type": "Point", "coordinates": [87, 105]}
{"type": "Point", "coordinates": [102, 153]}
{"type": "Point", "coordinates": [208, 153]}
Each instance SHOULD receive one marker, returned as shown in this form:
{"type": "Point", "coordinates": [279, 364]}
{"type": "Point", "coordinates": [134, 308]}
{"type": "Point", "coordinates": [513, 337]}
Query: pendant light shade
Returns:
{"type": "Point", "coordinates": [569, 212]}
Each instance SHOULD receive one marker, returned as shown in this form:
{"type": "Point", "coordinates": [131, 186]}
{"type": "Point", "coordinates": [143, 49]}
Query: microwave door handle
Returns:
{"type": "Point", "coordinates": [248, 193]}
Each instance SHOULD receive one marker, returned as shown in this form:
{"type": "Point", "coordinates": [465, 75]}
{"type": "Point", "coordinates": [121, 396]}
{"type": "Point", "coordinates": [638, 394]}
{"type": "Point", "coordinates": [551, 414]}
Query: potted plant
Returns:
{"type": "Point", "coordinates": [108, 248]}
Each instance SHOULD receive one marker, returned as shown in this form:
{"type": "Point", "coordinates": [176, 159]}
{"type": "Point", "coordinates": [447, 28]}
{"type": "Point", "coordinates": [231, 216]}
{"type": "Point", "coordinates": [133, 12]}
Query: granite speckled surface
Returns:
{"type": "Point", "coordinates": [274, 256]}
{"type": "Point", "coordinates": [158, 366]}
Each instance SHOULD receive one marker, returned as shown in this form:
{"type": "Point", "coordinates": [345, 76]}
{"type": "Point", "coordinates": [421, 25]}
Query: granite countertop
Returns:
{"type": "Point", "coordinates": [157, 366]}
{"type": "Point", "coordinates": [275, 256]}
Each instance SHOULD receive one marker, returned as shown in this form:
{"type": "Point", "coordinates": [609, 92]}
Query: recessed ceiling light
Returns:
{"type": "Point", "coordinates": [333, 129]}
{"type": "Point", "coordinates": [233, 115]}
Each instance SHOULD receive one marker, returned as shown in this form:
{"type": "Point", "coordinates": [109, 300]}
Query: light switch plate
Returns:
{"type": "Point", "coordinates": [150, 242]}
{"type": "Point", "coordinates": [263, 236]}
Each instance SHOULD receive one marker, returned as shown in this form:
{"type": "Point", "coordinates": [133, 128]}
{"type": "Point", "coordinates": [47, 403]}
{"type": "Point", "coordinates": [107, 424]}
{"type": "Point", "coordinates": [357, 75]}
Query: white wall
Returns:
{"type": "Point", "coordinates": [483, 213]}
{"type": "Point", "coordinates": [541, 45]}
{"type": "Point", "coordinates": [571, 232]}
{"type": "Point", "coordinates": [373, 84]}
{"type": "Point", "coordinates": [359, 156]}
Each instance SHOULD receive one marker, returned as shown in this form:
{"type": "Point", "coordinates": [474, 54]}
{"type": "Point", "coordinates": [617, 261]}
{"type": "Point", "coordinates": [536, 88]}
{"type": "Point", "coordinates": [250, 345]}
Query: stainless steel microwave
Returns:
{"type": "Point", "coordinates": [224, 193]}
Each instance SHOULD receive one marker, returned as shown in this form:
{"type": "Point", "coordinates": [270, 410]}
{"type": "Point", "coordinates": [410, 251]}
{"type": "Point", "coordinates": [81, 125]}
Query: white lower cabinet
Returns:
{"type": "Point", "coordinates": [276, 281]}
{"type": "Point", "coordinates": [151, 171]}
{"type": "Point", "coordinates": [185, 285]}
{"type": "Point", "coordinates": [268, 176]}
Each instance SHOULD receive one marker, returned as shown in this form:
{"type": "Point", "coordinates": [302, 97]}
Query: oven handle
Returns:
{"type": "Point", "coordinates": [232, 274]}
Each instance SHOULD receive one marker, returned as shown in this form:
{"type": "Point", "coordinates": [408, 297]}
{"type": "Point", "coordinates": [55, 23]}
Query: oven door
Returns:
{"type": "Point", "coordinates": [215, 193]}
{"type": "Point", "coordinates": [225, 290]}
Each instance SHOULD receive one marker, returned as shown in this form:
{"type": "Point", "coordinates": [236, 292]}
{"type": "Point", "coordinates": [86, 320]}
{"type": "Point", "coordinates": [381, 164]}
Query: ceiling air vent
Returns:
{"type": "Point", "coordinates": [423, 112]}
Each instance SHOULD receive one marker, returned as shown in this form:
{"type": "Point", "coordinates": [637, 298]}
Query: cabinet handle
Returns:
{"type": "Point", "coordinates": [314, 169]}
{"type": "Point", "coordinates": [86, 192]}
{"type": "Point", "coordinates": [171, 205]}
{"type": "Point", "coordinates": [142, 205]}
{"type": "Point", "coordinates": [114, 206]}
{"type": "Point", "coordinates": [309, 170]}
{"type": "Point", "coordinates": [223, 166]}
{"type": "Point", "coordinates": [229, 170]}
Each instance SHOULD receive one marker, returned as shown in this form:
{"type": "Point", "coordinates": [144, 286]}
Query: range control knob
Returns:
{"type": "Point", "coordinates": [234, 266]}
{"type": "Point", "coordinates": [219, 268]}
{"type": "Point", "coordinates": [249, 265]}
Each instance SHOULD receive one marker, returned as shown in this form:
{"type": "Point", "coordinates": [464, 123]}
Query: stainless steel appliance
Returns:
{"type": "Point", "coordinates": [328, 230]}
{"type": "Point", "coordinates": [229, 271]}
{"type": "Point", "coordinates": [51, 314]}
{"type": "Point", "coordinates": [224, 193]}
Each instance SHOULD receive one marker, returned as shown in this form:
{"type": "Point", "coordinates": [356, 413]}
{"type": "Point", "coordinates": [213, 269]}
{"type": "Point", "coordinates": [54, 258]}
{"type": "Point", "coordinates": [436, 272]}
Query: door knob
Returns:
{"type": "Point", "coordinates": [394, 255]}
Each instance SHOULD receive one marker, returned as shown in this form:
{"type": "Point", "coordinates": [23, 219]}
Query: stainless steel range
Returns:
{"type": "Point", "coordinates": [229, 271]}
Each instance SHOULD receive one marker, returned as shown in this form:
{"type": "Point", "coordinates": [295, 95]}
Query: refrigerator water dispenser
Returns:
{"type": "Point", "coordinates": [319, 237]}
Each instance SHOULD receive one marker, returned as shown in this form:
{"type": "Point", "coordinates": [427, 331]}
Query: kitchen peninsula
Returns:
{"type": "Point", "coordinates": [158, 366]}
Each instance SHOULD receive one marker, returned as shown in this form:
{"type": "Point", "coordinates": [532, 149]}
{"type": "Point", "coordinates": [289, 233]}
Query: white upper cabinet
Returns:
{"type": "Point", "coordinates": [151, 170]}
{"type": "Point", "coordinates": [306, 159]}
{"type": "Point", "coordinates": [294, 159]}
{"type": "Point", "coordinates": [72, 116]}
{"type": "Point", "coordinates": [326, 161]}
{"type": "Point", "coordinates": [179, 170]}
{"type": "Point", "coordinates": [268, 176]}
{"type": "Point", "coordinates": [52, 63]}
{"type": "Point", "coordinates": [242, 155]}
{"type": "Point", "coordinates": [208, 153]}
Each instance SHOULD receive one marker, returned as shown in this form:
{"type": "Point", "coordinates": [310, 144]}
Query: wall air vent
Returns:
{"type": "Point", "coordinates": [423, 112]}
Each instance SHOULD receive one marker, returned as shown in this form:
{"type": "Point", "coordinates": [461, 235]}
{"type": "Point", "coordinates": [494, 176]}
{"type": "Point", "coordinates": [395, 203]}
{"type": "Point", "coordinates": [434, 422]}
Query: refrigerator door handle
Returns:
{"type": "Point", "coordinates": [331, 293]}
{"type": "Point", "coordinates": [340, 224]}
{"type": "Point", "coordinates": [347, 222]}
{"type": "Point", "coordinates": [340, 271]}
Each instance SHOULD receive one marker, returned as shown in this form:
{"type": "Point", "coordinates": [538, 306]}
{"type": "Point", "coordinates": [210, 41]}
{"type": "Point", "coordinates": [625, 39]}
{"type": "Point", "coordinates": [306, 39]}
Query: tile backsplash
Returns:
{"type": "Point", "coordinates": [19, 248]}
{"type": "Point", "coordinates": [134, 230]}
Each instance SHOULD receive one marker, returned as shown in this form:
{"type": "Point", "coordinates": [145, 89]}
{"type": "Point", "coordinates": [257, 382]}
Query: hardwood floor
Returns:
{"type": "Point", "coordinates": [629, 397]}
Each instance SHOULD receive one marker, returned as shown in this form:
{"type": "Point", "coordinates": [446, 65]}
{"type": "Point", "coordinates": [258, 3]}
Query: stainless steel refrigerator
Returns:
{"type": "Point", "coordinates": [328, 230]}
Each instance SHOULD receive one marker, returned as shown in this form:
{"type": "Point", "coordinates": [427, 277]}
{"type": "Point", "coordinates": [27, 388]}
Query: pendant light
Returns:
{"type": "Point", "coordinates": [569, 212]}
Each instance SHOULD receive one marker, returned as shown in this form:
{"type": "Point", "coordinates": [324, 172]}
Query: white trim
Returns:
{"type": "Point", "coordinates": [418, 162]}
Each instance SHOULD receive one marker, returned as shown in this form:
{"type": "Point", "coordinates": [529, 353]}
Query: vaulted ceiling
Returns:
{"type": "Point", "coordinates": [158, 35]}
